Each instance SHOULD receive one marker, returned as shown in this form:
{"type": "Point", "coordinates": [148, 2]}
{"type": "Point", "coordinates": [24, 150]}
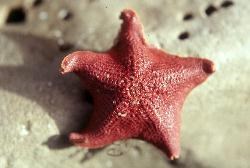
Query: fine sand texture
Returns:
{"type": "Point", "coordinates": [39, 107]}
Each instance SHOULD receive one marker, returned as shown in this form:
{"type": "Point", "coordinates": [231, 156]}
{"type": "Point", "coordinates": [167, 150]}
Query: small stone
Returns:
{"type": "Point", "coordinates": [57, 33]}
{"type": "Point", "coordinates": [64, 14]}
{"type": "Point", "coordinates": [23, 130]}
{"type": "Point", "coordinates": [43, 15]}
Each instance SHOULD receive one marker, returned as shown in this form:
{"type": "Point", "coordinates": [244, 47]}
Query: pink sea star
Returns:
{"type": "Point", "coordinates": [138, 90]}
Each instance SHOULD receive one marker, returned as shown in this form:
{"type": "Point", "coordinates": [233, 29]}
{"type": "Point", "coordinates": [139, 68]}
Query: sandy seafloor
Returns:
{"type": "Point", "coordinates": [38, 107]}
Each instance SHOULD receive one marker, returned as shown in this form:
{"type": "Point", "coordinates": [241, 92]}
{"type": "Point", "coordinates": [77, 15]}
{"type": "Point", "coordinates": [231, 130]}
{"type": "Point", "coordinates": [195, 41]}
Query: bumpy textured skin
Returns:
{"type": "Point", "coordinates": [138, 90]}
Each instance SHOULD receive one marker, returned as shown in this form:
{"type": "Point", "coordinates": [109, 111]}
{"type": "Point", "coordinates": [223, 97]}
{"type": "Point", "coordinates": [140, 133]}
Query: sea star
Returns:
{"type": "Point", "coordinates": [138, 90]}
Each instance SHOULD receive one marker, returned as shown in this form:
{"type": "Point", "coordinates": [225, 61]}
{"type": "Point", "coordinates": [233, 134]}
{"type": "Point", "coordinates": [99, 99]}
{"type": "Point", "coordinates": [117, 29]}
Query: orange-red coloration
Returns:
{"type": "Point", "coordinates": [138, 90]}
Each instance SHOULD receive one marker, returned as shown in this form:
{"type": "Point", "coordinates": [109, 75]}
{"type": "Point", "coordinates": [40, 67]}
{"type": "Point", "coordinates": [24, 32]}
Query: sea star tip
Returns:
{"type": "Point", "coordinates": [174, 157]}
{"type": "Point", "coordinates": [131, 29]}
{"type": "Point", "coordinates": [70, 62]}
{"type": "Point", "coordinates": [127, 14]}
{"type": "Point", "coordinates": [208, 66]}
{"type": "Point", "coordinates": [77, 139]}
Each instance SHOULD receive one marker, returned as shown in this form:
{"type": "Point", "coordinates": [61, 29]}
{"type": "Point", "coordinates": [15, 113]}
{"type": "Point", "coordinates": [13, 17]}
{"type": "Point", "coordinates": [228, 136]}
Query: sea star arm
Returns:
{"type": "Point", "coordinates": [131, 33]}
{"type": "Point", "coordinates": [164, 129]}
{"type": "Point", "coordinates": [131, 45]}
{"type": "Point", "coordinates": [94, 67]}
{"type": "Point", "coordinates": [183, 73]}
{"type": "Point", "coordinates": [107, 124]}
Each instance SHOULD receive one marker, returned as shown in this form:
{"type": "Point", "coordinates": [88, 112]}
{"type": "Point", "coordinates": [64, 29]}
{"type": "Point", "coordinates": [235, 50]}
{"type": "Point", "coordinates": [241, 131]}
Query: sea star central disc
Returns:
{"type": "Point", "coordinates": [138, 90]}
